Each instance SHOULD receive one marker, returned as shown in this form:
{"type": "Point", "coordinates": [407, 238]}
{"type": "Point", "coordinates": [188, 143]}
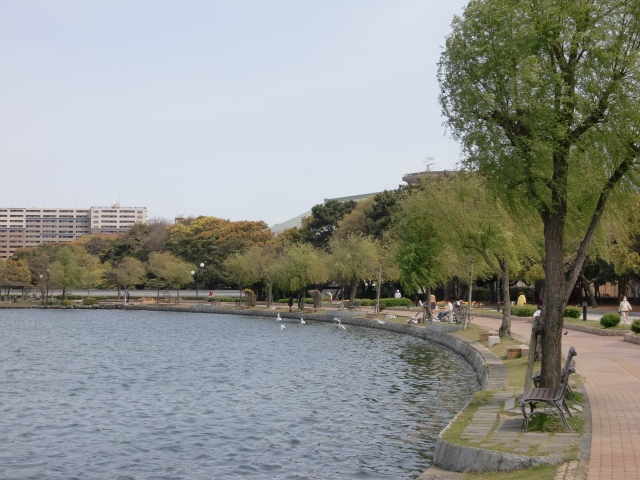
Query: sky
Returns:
{"type": "Point", "coordinates": [239, 109]}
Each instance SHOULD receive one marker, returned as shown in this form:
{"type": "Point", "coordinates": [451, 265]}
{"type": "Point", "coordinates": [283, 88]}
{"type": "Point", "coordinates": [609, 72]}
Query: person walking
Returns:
{"type": "Point", "coordinates": [522, 300]}
{"type": "Point", "coordinates": [625, 308]}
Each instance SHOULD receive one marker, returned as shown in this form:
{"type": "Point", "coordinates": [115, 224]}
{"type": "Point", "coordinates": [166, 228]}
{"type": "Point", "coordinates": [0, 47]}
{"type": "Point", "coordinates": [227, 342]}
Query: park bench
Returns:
{"type": "Point", "coordinates": [563, 374]}
{"type": "Point", "coordinates": [552, 398]}
{"type": "Point", "coordinates": [355, 306]}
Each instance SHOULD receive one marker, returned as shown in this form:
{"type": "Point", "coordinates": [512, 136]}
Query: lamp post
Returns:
{"type": "Point", "coordinates": [196, 275]}
{"type": "Point", "coordinates": [46, 285]}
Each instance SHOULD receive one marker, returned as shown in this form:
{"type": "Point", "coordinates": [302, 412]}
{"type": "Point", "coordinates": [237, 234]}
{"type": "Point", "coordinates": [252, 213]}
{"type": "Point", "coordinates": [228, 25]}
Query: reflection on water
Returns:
{"type": "Point", "coordinates": [140, 395]}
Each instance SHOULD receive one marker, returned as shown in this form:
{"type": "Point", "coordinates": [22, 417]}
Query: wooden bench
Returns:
{"type": "Point", "coordinates": [563, 374]}
{"type": "Point", "coordinates": [553, 398]}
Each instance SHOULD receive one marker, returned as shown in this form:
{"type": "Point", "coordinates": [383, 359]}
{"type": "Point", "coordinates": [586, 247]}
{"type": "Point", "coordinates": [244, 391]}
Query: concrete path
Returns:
{"type": "Point", "coordinates": [611, 368]}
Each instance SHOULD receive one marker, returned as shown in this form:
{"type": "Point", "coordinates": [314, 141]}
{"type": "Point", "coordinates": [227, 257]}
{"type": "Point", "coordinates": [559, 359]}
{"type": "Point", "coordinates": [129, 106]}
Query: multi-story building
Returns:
{"type": "Point", "coordinates": [30, 227]}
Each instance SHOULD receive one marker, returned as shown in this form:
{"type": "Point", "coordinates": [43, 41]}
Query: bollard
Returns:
{"type": "Point", "coordinates": [584, 311]}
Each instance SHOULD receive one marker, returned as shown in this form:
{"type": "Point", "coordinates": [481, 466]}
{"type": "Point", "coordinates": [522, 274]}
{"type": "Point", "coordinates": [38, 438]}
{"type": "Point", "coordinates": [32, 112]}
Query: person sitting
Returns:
{"type": "Point", "coordinates": [448, 308]}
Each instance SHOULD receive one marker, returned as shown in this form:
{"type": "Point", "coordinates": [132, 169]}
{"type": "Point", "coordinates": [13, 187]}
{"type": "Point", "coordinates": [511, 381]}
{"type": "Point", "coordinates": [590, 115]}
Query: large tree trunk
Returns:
{"type": "Point", "coordinates": [354, 290]}
{"type": "Point", "coordinates": [505, 328]}
{"type": "Point", "coordinates": [555, 301]}
{"type": "Point", "coordinates": [269, 294]}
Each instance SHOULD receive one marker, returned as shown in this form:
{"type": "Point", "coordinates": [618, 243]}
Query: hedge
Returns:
{"type": "Point", "coordinates": [222, 299]}
{"type": "Point", "coordinates": [572, 312]}
{"type": "Point", "coordinates": [524, 311]}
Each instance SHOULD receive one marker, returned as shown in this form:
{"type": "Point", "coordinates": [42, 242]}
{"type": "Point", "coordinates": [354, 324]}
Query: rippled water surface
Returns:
{"type": "Point", "coordinates": [142, 395]}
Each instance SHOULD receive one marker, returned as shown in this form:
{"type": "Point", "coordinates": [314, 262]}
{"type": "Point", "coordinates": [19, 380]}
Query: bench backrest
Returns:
{"type": "Point", "coordinates": [568, 369]}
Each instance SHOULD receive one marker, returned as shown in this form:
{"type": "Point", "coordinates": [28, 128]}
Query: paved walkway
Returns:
{"type": "Point", "coordinates": [611, 368]}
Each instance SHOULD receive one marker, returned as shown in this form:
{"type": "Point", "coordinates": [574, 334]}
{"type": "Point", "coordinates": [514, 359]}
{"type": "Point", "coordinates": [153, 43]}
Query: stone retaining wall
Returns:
{"type": "Point", "coordinates": [632, 339]}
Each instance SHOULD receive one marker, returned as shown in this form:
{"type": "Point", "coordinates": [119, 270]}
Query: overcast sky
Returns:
{"type": "Point", "coordinates": [247, 110]}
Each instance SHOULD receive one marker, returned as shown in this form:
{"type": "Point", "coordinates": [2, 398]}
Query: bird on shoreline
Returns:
{"type": "Point", "coordinates": [380, 321]}
{"type": "Point", "coordinates": [282, 327]}
{"type": "Point", "coordinates": [302, 322]}
{"type": "Point", "coordinates": [279, 319]}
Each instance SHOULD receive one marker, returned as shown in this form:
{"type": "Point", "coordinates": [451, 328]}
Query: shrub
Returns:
{"type": "Point", "coordinates": [572, 312]}
{"type": "Point", "coordinates": [90, 301]}
{"type": "Point", "coordinates": [526, 311]}
{"type": "Point", "coordinates": [65, 303]}
{"type": "Point", "coordinates": [394, 302]}
{"type": "Point", "coordinates": [250, 297]}
{"type": "Point", "coordinates": [635, 326]}
{"type": "Point", "coordinates": [609, 320]}
{"type": "Point", "coordinates": [222, 299]}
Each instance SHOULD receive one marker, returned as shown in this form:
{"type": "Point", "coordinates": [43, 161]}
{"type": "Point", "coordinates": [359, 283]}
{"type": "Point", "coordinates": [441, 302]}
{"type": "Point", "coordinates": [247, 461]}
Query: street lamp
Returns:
{"type": "Point", "coordinates": [196, 274]}
{"type": "Point", "coordinates": [46, 285]}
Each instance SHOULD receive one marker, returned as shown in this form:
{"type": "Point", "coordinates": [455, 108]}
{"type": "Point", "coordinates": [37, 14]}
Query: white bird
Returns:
{"type": "Point", "coordinates": [279, 319]}
{"type": "Point", "coordinates": [413, 319]}
{"type": "Point", "coordinates": [379, 321]}
{"type": "Point", "coordinates": [336, 320]}
{"type": "Point", "coordinates": [342, 326]}
{"type": "Point", "coordinates": [302, 322]}
{"type": "Point", "coordinates": [282, 327]}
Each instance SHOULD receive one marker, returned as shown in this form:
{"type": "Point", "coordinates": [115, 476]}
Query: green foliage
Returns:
{"type": "Point", "coordinates": [394, 302]}
{"type": "Point", "coordinates": [610, 320]}
{"type": "Point", "coordinates": [67, 271]}
{"type": "Point", "coordinates": [635, 326]}
{"type": "Point", "coordinates": [222, 299]}
{"type": "Point", "coordinates": [66, 303]}
{"type": "Point", "coordinates": [90, 301]}
{"type": "Point", "coordinates": [298, 267]}
{"type": "Point", "coordinates": [525, 311]}
{"type": "Point", "coordinates": [175, 272]}
{"type": "Point", "coordinates": [130, 271]}
{"type": "Point", "coordinates": [317, 228]}
{"type": "Point", "coordinates": [385, 207]}
{"type": "Point", "coordinates": [572, 312]}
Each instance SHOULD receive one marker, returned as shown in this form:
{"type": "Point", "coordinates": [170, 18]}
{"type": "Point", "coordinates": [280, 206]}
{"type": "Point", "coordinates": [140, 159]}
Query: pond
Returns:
{"type": "Point", "coordinates": [161, 395]}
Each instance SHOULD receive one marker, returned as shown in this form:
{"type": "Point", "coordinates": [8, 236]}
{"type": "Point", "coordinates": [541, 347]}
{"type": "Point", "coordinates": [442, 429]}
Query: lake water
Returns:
{"type": "Point", "coordinates": [154, 395]}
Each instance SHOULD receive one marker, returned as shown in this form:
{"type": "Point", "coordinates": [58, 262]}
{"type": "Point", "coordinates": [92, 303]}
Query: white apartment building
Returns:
{"type": "Point", "coordinates": [30, 227]}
